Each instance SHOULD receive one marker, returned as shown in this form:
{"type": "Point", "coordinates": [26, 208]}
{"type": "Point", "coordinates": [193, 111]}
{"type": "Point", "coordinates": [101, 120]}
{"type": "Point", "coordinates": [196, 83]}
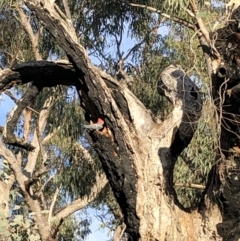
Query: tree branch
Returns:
{"type": "Point", "coordinates": [101, 182]}
{"type": "Point", "coordinates": [5, 187]}
{"type": "Point", "coordinates": [44, 73]}
{"type": "Point", "coordinates": [195, 186]}
{"type": "Point", "coordinates": [202, 27]}
{"type": "Point", "coordinates": [14, 165]}
{"type": "Point", "coordinates": [23, 182]}
{"type": "Point", "coordinates": [28, 28]}
{"type": "Point", "coordinates": [67, 9]}
{"type": "Point", "coordinates": [36, 142]}
{"type": "Point", "coordinates": [119, 232]}
{"type": "Point", "coordinates": [155, 10]}
{"type": "Point", "coordinates": [52, 206]}
{"type": "Point", "coordinates": [50, 135]}
{"type": "Point", "coordinates": [8, 132]}
{"type": "Point", "coordinates": [15, 100]}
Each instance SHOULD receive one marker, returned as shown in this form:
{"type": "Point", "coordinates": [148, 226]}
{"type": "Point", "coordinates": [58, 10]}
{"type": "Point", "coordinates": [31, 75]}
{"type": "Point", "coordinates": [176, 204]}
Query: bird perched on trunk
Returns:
{"type": "Point", "coordinates": [95, 126]}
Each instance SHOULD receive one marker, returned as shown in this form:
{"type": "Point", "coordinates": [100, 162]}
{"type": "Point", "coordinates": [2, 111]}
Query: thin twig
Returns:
{"type": "Point", "coordinates": [195, 186]}
{"type": "Point", "coordinates": [155, 10]}
{"type": "Point", "coordinates": [67, 9]}
{"type": "Point", "coordinates": [48, 180]}
{"type": "Point", "coordinates": [202, 27]}
{"type": "Point", "coordinates": [50, 135]}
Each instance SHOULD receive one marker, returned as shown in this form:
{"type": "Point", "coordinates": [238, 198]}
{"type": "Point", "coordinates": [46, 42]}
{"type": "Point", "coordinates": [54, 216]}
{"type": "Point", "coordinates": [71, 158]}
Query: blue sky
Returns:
{"type": "Point", "coordinates": [5, 105]}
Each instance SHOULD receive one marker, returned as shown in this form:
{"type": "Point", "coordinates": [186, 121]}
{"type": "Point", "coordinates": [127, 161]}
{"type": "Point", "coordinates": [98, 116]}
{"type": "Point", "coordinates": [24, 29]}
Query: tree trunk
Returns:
{"type": "Point", "coordinates": [138, 152]}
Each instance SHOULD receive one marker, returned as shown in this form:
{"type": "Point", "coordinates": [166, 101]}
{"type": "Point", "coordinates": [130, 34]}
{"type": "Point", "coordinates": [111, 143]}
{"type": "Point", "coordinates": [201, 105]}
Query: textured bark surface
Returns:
{"type": "Point", "coordinates": [226, 174]}
{"type": "Point", "coordinates": [138, 152]}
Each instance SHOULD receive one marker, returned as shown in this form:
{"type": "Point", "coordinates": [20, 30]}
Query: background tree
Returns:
{"type": "Point", "coordinates": [137, 149]}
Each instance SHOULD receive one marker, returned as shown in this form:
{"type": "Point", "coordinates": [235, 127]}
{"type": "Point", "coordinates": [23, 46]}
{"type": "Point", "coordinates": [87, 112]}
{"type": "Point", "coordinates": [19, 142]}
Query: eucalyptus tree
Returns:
{"type": "Point", "coordinates": [137, 148]}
